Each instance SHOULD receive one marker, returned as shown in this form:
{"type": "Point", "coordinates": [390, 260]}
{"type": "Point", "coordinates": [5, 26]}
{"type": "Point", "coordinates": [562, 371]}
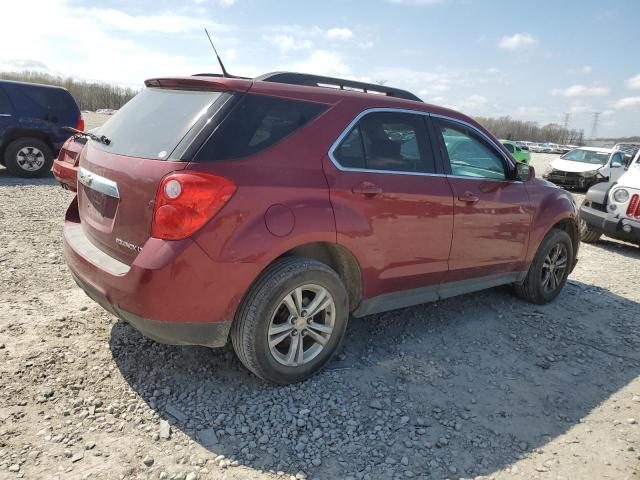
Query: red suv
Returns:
{"type": "Point", "coordinates": [269, 210]}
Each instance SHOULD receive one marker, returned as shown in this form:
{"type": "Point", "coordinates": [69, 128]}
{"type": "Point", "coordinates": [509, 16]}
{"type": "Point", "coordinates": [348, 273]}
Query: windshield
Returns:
{"type": "Point", "coordinates": [586, 156]}
{"type": "Point", "coordinates": [153, 122]}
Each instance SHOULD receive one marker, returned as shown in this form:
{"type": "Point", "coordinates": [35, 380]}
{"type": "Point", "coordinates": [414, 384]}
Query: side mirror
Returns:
{"type": "Point", "coordinates": [525, 172]}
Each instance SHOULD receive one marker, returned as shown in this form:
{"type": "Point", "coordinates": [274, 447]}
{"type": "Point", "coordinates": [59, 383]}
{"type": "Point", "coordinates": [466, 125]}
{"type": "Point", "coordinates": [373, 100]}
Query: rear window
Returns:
{"type": "Point", "coordinates": [153, 122]}
{"type": "Point", "coordinates": [53, 100]}
{"type": "Point", "coordinates": [256, 123]}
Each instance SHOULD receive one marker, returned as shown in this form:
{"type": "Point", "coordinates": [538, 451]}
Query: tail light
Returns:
{"type": "Point", "coordinates": [68, 156]}
{"type": "Point", "coordinates": [186, 201]}
{"type": "Point", "coordinates": [633, 210]}
{"type": "Point", "coordinates": [80, 125]}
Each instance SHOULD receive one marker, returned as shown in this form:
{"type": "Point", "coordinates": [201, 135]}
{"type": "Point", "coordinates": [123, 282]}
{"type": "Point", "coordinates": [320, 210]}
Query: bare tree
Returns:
{"type": "Point", "coordinates": [511, 129]}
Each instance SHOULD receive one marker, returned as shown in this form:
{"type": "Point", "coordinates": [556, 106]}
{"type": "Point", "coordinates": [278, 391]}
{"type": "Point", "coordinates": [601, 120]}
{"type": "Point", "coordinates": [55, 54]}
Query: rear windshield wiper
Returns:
{"type": "Point", "coordinates": [92, 136]}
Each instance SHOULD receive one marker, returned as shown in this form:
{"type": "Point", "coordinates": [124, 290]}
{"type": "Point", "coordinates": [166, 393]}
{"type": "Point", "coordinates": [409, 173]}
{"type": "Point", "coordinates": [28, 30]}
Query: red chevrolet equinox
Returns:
{"type": "Point", "coordinates": [269, 210]}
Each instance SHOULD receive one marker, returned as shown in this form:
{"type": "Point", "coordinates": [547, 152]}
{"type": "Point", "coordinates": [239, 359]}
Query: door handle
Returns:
{"type": "Point", "coordinates": [468, 197]}
{"type": "Point", "coordinates": [367, 189]}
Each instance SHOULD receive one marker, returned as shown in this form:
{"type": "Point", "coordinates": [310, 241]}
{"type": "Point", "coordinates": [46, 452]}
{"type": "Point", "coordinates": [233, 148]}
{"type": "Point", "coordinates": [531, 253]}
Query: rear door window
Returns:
{"type": "Point", "coordinates": [387, 141]}
{"type": "Point", "coordinates": [154, 122]}
{"type": "Point", "coordinates": [255, 124]}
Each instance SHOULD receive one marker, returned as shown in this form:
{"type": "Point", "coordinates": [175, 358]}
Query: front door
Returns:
{"type": "Point", "coordinates": [393, 206]}
{"type": "Point", "coordinates": [491, 213]}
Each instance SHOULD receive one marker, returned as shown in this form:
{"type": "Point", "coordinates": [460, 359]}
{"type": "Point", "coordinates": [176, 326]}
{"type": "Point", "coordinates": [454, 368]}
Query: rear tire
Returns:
{"type": "Point", "coordinates": [587, 233]}
{"type": "Point", "coordinates": [549, 270]}
{"type": "Point", "coordinates": [275, 336]}
{"type": "Point", "coordinates": [28, 157]}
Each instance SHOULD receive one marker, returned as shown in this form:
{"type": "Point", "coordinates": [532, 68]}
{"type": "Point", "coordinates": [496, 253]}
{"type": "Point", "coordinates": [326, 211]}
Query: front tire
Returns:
{"type": "Point", "coordinates": [291, 321]}
{"type": "Point", "coordinates": [587, 233]}
{"type": "Point", "coordinates": [28, 157]}
{"type": "Point", "coordinates": [549, 270]}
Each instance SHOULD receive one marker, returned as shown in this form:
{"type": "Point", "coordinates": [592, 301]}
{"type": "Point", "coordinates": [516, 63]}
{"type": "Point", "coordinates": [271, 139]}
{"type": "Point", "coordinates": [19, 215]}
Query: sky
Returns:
{"type": "Point", "coordinates": [538, 60]}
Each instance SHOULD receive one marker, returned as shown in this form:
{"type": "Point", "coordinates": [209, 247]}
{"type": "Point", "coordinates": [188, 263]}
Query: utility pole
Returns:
{"type": "Point", "coordinates": [594, 127]}
{"type": "Point", "coordinates": [566, 128]}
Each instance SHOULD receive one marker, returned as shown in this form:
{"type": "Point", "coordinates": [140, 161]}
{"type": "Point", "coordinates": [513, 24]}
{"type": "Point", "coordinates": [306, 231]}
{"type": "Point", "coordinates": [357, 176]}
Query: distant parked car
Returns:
{"type": "Point", "coordinates": [585, 166]}
{"type": "Point", "coordinates": [630, 150]}
{"type": "Point", "coordinates": [269, 211]}
{"type": "Point", "coordinates": [550, 148]}
{"type": "Point", "coordinates": [516, 151]}
{"type": "Point", "coordinates": [536, 147]}
{"type": "Point", "coordinates": [613, 209]}
{"type": "Point", "coordinates": [32, 118]}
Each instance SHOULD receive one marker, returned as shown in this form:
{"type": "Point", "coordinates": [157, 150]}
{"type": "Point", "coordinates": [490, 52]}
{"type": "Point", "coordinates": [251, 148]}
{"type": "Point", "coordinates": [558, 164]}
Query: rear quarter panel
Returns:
{"type": "Point", "coordinates": [286, 179]}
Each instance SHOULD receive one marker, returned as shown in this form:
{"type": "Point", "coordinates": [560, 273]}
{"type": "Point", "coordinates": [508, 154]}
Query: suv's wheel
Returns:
{"type": "Point", "coordinates": [549, 270]}
{"type": "Point", "coordinates": [587, 233]}
{"type": "Point", "coordinates": [28, 157]}
{"type": "Point", "coordinates": [291, 321]}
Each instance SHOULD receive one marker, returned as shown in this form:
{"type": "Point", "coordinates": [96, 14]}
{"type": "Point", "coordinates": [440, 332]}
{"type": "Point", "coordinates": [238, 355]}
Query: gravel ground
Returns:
{"type": "Point", "coordinates": [480, 386]}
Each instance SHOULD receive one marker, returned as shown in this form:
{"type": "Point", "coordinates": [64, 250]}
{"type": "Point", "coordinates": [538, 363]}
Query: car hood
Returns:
{"type": "Point", "coordinates": [571, 166]}
{"type": "Point", "coordinates": [630, 178]}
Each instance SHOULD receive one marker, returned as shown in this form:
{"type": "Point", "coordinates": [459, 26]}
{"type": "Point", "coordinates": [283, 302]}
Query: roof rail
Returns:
{"type": "Point", "coordinates": [293, 78]}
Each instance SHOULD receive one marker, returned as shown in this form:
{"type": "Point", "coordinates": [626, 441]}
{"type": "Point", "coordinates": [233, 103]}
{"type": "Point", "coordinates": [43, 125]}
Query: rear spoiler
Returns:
{"type": "Point", "coordinates": [201, 83]}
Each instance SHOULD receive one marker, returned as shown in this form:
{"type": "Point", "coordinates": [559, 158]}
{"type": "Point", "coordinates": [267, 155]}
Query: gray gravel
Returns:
{"type": "Point", "coordinates": [480, 386]}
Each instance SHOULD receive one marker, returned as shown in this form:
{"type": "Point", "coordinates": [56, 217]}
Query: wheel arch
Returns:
{"type": "Point", "coordinates": [18, 133]}
{"type": "Point", "coordinates": [339, 259]}
{"type": "Point", "coordinates": [570, 225]}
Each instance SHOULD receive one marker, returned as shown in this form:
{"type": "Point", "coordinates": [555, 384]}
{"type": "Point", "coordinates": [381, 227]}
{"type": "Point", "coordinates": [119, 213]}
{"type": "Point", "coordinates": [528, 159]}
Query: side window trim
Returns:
{"type": "Point", "coordinates": [355, 122]}
{"type": "Point", "coordinates": [509, 166]}
{"type": "Point", "coordinates": [434, 140]}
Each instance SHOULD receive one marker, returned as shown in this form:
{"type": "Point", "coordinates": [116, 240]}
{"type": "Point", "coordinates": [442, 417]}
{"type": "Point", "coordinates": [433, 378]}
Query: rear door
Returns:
{"type": "Point", "coordinates": [393, 206]}
{"type": "Point", "coordinates": [7, 112]}
{"type": "Point", "coordinates": [117, 183]}
{"type": "Point", "coordinates": [491, 212]}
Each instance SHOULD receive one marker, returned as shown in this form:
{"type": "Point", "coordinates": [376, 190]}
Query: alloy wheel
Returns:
{"type": "Point", "coordinates": [554, 267]}
{"type": "Point", "coordinates": [30, 159]}
{"type": "Point", "coordinates": [301, 325]}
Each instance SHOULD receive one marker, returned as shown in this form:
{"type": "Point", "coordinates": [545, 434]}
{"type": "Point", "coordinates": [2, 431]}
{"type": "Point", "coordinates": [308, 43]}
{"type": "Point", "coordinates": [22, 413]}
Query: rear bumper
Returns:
{"type": "Point", "coordinates": [172, 292]}
{"type": "Point", "coordinates": [66, 174]}
{"type": "Point", "coordinates": [625, 229]}
{"type": "Point", "coordinates": [213, 334]}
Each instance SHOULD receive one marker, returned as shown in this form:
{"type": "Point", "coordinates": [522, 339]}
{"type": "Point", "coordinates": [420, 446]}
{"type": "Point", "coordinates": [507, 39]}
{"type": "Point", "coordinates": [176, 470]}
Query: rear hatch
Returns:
{"type": "Point", "coordinates": [151, 136]}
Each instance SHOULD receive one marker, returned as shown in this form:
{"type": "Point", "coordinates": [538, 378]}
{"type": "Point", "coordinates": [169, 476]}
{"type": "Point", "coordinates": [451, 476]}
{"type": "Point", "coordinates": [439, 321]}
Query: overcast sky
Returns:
{"type": "Point", "coordinates": [533, 60]}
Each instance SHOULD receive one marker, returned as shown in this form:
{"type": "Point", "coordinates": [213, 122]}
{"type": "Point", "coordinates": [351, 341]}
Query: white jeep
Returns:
{"type": "Point", "coordinates": [613, 209]}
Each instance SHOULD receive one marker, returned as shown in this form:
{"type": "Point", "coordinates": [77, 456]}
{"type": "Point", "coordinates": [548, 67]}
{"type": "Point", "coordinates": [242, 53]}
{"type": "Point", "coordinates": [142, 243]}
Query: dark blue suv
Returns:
{"type": "Point", "coordinates": [32, 118]}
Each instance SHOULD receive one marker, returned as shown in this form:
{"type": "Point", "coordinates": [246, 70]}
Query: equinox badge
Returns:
{"type": "Point", "coordinates": [130, 246]}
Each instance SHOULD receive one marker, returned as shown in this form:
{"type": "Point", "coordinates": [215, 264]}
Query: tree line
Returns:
{"type": "Point", "coordinates": [88, 95]}
{"type": "Point", "coordinates": [511, 129]}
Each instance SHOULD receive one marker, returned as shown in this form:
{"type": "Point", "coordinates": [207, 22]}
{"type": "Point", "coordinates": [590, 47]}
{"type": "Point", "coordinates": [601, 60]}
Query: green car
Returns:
{"type": "Point", "coordinates": [517, 152]}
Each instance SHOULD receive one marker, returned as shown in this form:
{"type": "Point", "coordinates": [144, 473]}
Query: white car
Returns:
{"type": "Point", "coordinates": [613, 209]}
{"type": "Point", "coordinates": [585, 166]}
